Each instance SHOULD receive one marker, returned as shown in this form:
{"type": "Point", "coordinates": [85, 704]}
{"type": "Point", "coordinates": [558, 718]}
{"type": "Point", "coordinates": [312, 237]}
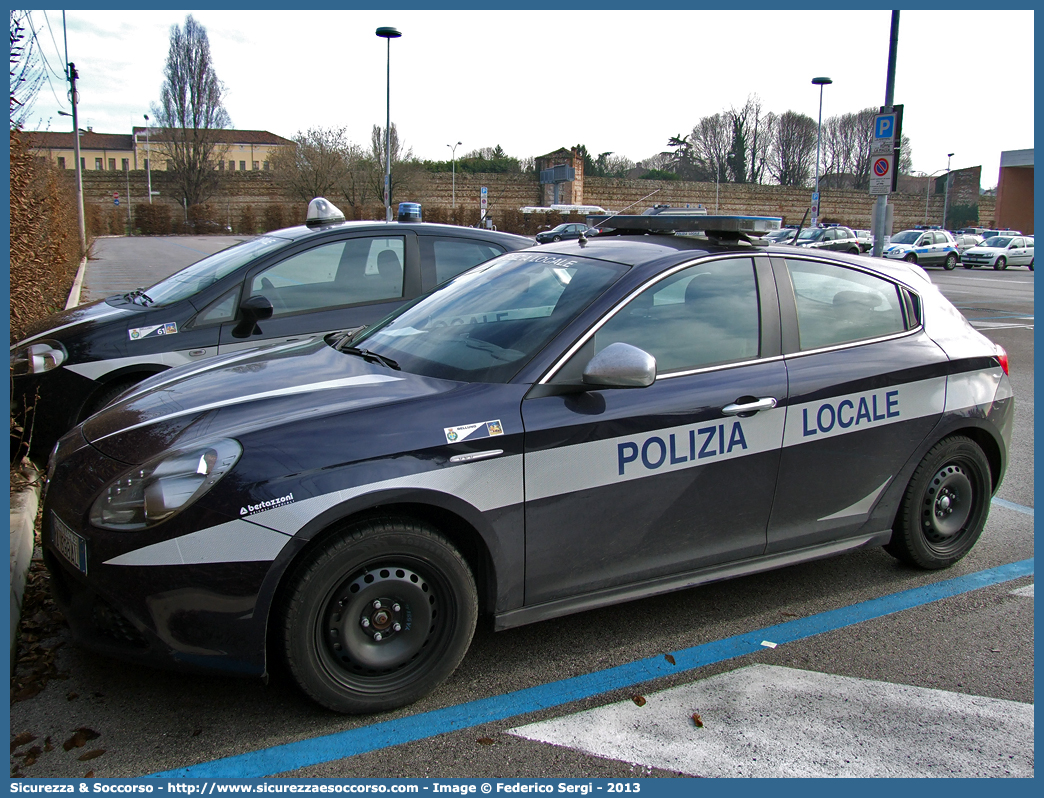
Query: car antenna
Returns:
{"type": "Point", "coordinates": [803, 218]}
{"type": "Point", "coordinates": [583, 238]}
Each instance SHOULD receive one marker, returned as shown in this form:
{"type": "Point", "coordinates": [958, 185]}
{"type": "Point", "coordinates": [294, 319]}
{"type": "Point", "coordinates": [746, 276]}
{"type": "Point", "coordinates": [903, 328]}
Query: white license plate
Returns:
{"type": "Point", "coordinates": [70, 545]}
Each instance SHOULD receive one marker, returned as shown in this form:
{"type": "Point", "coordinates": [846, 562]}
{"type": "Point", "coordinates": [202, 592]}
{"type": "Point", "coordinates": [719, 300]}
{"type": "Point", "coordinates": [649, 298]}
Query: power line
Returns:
{"type": "Point", "coordinates": [43, 57]}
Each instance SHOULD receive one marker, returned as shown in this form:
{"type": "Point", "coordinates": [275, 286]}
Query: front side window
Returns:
{"type": "Point", "coordinates": [334, 274]}
{"type": "Point", "coordinates": [705, 315]}
{"type": "Point", "coordinates": [836, 305]}
{"type": "Point", "coordinates": [486, 324]}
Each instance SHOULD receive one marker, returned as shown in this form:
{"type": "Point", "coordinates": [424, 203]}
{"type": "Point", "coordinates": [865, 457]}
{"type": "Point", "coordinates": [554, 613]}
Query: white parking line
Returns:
{"type": "Point", "coordinates": [1025, 592]}
{"type": "Point", "coordinates": [768, 721]}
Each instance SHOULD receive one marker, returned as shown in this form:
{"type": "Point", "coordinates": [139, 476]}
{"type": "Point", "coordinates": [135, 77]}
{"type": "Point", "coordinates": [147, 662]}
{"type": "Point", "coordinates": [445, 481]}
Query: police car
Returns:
{"type": "Point", "coordinates": [325, 275]}
{"type": "Point", "coordinates": [924, 247]}
{"type": "Point", "coordinates": [564, 427]}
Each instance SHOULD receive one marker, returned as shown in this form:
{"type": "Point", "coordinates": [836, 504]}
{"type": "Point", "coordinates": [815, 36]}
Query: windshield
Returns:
{"type": "Point", "coordinates": [996, 242]}
{"type": "Point", "coordinates": [809, 234]}
{"type": "Point", "coordinates": [206, 272]}
{"type": "Point", "coordinates": [907, 237]}
{"type": "Point", "coordinates": [486, 324]}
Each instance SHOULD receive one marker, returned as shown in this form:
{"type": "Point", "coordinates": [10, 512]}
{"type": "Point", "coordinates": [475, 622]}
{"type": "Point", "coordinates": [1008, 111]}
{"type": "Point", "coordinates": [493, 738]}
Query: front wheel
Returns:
{"type": "Point", "coordinates": [911, 258]}
{"type": "Point", "coordinates": [951, 262]}
{"type": "Point", "coordinates": [1000, 265]}
{"type": "Point", "coordinates": [557, 238]}
{"type": "Point", "coordinates": [945, 506]}
{"type": "Point", "coordinates": [378, 617]}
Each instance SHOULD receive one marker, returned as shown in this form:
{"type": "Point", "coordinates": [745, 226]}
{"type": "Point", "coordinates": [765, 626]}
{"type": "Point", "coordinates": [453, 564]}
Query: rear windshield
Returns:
{"type": "Point", "coordinates": [486, 324]}
{"type": "Point", "coordinates": [204, 273]}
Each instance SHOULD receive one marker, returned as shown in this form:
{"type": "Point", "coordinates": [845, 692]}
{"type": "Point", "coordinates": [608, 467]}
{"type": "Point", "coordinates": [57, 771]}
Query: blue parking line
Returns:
{"type": "Point", "coordinates": [1019, 508]}
{"type": "Point", "coordinates": [314, 751]}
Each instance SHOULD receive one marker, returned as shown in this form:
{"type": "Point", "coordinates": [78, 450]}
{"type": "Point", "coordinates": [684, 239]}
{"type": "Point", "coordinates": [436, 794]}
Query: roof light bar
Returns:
{"type": "Point", "coordinates": [666, 222]}
{"type": "Point", "coordinates": [322, 211]}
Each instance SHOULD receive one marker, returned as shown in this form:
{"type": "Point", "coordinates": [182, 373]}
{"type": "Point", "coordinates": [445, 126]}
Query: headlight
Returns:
{"type": "Point", "coordinates": [165, 485]}
{"type": "Point", "coordinates": [37, 358]}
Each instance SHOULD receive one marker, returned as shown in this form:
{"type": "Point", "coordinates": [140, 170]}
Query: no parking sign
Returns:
{"type": "Point", "coordinates": [881, 167]}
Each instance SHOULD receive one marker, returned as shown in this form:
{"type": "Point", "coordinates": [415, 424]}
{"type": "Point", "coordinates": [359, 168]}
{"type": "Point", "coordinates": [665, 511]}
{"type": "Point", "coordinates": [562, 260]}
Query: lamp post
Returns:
{"type": "Point", "coordinates": [389, 34]}
{"type": "Point", "coordinates": [928, 192]}
{"type": "Point", "coordinates": [946, 194]}
{"type": "Point", "coordinates": [148, 158]}
{"type": "Point", "coordinates": [453, 169]}
{"type": "Point", "coordinates": [77, 132]}
{"type": "Point", "coordinates": [821, 82]}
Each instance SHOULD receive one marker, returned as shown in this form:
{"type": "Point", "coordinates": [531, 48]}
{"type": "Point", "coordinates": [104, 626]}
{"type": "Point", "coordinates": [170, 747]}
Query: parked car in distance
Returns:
{"type": "Point", "coordinates": [866, 240]}
{"type": "Point", "coordinates": [781, 236]}
{"type": "Point", "coordinates": [1000, 252]}
{"type": "Point", "coordinates": [327, 274]}
{"type": "Point", "coordinates": [966, 241]}
{"type": "Point", "coordinates": [924, 247]}
{"type": "Point", "coordinates": [562, 232]}
{"type": "Point", "coordinates": [565, 427]}
{"type": "Point", "coordinates": [991, 233]}
{"type": "Point", "coordinates": [839, 239]}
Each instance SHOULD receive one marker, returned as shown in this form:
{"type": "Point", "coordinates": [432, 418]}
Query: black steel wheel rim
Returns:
{"type": "Point", "coordinates": [383, 624]}
{"type": "Point", "coordinates": [948, 507]}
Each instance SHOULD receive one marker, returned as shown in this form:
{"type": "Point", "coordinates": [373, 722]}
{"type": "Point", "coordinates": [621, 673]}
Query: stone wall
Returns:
{"type": "Point", "coordinates": [508, 192]}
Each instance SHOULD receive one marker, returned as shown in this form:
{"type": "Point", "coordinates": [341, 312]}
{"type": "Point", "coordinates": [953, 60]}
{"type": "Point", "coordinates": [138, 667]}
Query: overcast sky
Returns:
{"type": "Point", "coordinates": [534, 81]}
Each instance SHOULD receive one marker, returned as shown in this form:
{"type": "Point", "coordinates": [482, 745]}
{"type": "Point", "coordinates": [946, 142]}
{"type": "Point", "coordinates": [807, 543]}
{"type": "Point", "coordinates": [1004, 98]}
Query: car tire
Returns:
{"type": "Point", "coordinates": [1000, 264]}
{"type": "Point", "coordinates": [104, 396]}
{"type": "Point", "coordinates": [1031, 264]}
{"type": "Point", "coordinates": [945, 505]}
{"type": "Point", "coordinates": [911, 258]}
{"type": "Point", "coordinates": [557, 238]}
{"type": "Point", "coordinates": [951, 262]}
{"type": "Point", "coordinates": [345, 598]}
{"type": "Point", "coordinates": [853, 251]}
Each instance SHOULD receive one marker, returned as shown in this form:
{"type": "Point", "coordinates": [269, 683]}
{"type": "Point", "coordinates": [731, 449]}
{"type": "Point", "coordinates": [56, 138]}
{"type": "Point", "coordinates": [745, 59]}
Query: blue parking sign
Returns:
{"type": "Point", "coordinates": [885, 126]}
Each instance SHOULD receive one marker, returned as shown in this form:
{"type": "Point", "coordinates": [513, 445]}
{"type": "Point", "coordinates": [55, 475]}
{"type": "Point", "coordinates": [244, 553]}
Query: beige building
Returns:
{"type": "Point", "coordinates": [237, 150]}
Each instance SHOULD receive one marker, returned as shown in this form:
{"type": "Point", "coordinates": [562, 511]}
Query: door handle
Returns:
{"type": "Point", "coordinates": [750, 407]}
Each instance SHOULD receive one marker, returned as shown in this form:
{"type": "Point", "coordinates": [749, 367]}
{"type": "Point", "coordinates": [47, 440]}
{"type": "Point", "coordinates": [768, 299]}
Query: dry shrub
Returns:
{"type": "Point", "coordinates": [247, 222]}
{"type": "Point", "coordinates": [44, 238]}
{"type": "Point", "coordinates": [274, 217]}
{"type": "Point", "coordinates": [152, 220]}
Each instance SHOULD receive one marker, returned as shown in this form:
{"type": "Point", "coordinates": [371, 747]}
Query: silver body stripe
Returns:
{"type": "Point", "coordinates": [94, 369]}
{"type": "Point", "coordinates": [841, 415]}
{"type": "Point", "coordinates": [486, 485]}
{"type": "Point", "coordinates": [53, 330]}
{"type": "Point", "coordinates": [976, 388]}
{"type": "Point", "coordinates": [494, 483]}
{"type": "Point", "coordinates": [553, 472]}
{"type": "Point", "coordinates": [861, 507]}
{"type": "Point", "coordinates": [236, 541]}
{"type": "Point", "coordinates": [345, 382]}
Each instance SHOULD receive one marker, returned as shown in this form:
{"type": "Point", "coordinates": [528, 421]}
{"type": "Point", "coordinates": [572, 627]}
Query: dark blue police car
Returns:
{"type": "Point", "coordinates": [326, 275]}
{"type": "Point", "coordinates": [559, 428]}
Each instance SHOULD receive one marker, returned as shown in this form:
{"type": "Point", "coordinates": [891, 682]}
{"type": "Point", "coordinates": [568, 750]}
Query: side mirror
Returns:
{"type": "Point", "coordinates": [621, 365]}
{"type": "Point", "coordinates": [255, 309]}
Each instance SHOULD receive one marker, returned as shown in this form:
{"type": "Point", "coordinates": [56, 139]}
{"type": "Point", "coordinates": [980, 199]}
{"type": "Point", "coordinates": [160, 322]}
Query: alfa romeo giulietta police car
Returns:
{"type": "Point", "coordinates": [325, 275]}
{"type": "Point", "coordinates": [563, 427]}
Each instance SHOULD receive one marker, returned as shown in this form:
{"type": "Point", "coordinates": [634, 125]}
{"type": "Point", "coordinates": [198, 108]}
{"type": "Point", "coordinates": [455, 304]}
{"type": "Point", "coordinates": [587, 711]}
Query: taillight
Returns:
{"type": "Point", "coordinates": [1002, 357]}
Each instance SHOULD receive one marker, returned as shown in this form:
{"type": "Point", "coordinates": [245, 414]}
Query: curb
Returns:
{"type": "Point", "coordinates": [25, 502]}
{"type": "Point", "coordinates": [74, 293]}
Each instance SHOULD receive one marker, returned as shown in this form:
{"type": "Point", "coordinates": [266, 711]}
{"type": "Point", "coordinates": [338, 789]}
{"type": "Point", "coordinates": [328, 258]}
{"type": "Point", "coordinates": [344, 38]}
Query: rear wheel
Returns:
{"type": "Point", "coordinates": [945, 505]}
{"type": "Point", "coordinates": [951, 262]}
{"type": "Point", "coordinates": [378, 617]}
{"type": "Point", "coordinates": [1000, 265]}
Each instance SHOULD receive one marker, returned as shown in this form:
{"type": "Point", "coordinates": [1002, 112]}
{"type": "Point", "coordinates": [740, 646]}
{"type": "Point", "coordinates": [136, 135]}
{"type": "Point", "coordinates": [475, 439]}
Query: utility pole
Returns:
{"type": "Point", "coordinates": [881, 209]}
{"type": "Point", "coordinates": [73, 75]}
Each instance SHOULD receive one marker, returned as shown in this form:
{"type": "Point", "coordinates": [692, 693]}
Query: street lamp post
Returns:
{"type": "Point", "coordinates": [148, 158]}
{"type": "Point", "coordinates": [389, 34]}
{"type": "Point", "coordinates": [453, 169]}
{"type": "Point", "coordinates": [821, 82]}
{"type": "Point", "coordinates": [946, 194]}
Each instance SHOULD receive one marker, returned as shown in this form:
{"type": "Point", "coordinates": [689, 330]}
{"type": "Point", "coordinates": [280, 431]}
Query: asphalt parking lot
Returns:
{"type": "Point", "coordinates": [860, 664]}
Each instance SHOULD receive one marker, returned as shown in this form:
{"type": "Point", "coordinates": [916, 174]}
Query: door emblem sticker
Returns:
{"type": "Point", "coordinates": [137, 333]}
{"type": "Point", "coordinates": [483, 429]}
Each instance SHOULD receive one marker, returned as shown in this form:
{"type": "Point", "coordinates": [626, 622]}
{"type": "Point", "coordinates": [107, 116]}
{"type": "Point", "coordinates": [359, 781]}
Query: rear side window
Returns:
{"type": "Point", "coordinates": [836, 305]}
{"type": "Point", "coordinates": [455, 255]}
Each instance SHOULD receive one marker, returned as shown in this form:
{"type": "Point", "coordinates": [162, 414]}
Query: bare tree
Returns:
{"type": "Point", "coordinates": [27, 76]}
{"type": "Point", "coordinates": [190, 110]}
{"type": "Point", "coordinates": [321, 163]}
{"type": "Point", "coordinates": [402, 166]}
{"type": "Point", "coordinates": [793, 151]}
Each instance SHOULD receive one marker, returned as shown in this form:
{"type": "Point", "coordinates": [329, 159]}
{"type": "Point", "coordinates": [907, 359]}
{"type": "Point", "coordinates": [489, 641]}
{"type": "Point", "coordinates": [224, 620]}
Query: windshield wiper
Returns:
{"type": "Point", "coordinates": [138, 293]}
{"type": "Point", "coordinates": [371, 357]}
